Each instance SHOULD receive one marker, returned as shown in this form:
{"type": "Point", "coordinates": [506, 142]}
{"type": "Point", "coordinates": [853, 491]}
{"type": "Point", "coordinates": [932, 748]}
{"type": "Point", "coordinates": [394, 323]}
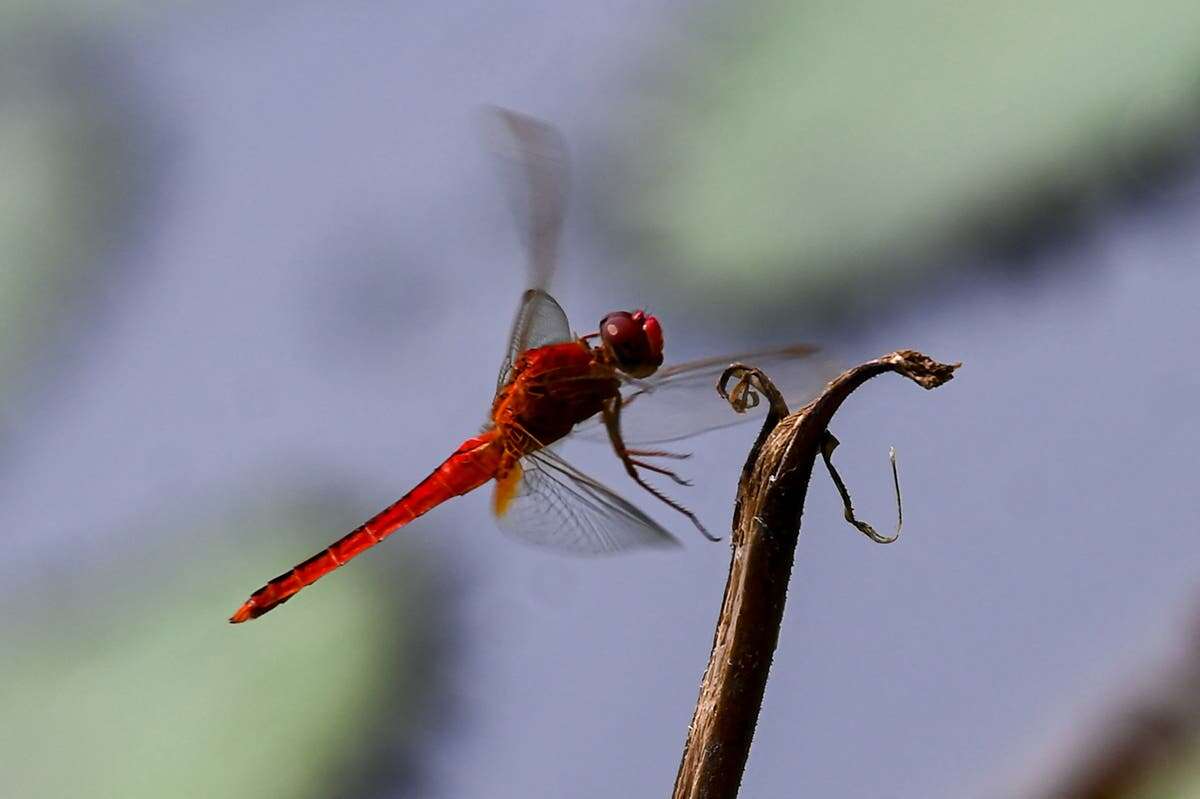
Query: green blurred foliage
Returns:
{"type": "Point", "coordinates": [819, 142]}
{"type": "Point", "coordinates": [1178, 776]}
{"type": "Point", "coordinates": [55, 163]}
{"type": "Point", "coordinates": [133, 684]}
{"type": "Point", "coordinates": [68, 147]}
{"type": "Point", "coordinates": [22, 15]}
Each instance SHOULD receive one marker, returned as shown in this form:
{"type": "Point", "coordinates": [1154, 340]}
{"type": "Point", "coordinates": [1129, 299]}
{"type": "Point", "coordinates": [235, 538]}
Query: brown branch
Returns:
{"type": "Point", "coordinates": [766, 525]}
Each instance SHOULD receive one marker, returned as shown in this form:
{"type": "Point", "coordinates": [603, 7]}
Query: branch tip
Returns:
{"type": "Point", "coordinates": [921, 369]}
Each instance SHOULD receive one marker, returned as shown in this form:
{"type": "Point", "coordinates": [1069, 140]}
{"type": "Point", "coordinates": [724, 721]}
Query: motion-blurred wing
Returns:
{"type": "Point", "coordinates": [534, 159]}
{"type": "Point", "coordinates": [558, 507]}
{"type": "Point", "coordinates": [540, 320]}
{"type": "Point", "coordinates": [681, 401]}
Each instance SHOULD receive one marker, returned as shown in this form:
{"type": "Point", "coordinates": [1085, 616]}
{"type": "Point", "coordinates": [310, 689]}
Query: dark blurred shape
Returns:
{"type": "Point", "coordinates": [1149, 746]}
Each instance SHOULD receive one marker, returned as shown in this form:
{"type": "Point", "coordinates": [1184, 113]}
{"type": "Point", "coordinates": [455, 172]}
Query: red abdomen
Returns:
{"type": "Point", "coordinates": [472, 464]}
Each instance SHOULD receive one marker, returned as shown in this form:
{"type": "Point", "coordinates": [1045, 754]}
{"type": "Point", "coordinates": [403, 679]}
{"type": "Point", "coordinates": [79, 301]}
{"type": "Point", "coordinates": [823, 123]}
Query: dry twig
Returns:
{"type": "Point", "coordinates": [766, 525]}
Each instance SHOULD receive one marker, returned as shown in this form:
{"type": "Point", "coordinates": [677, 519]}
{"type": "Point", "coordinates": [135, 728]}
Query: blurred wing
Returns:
{"type": "Point", "coordinates": [534, 160]}
{"type": "Point", "coordinates": [540, 321]}
{"type": "Point", "coordinates": [681, 401]}
{"type": "Point", "coordinates": [558, 507]}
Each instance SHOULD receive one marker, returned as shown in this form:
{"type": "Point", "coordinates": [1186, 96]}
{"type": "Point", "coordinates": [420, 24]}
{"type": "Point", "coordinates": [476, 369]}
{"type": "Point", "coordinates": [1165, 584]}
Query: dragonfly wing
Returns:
{"type": "Point", "coordinates": [558, 507]}
{"type": "Point", "coordinates": [540, 320]}
{"type": "Point", "coordinates": [681, 401]}
{"type": "Point", "coordinates": [534, 160]}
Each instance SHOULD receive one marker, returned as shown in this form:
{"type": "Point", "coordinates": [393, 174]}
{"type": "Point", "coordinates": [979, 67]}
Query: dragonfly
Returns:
{"type": "Point", "coordinates": [606, 384]}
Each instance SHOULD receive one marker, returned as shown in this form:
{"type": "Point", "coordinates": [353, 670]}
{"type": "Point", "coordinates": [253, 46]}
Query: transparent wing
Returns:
{"type": "Point", "coordinates": [540, 320]}
{"type": "Point", "coordinates": [533, 158]}
{"type": "Point", "coordinates": [681, 401]}
{"type": "Point", "coordinates": [558, 507]}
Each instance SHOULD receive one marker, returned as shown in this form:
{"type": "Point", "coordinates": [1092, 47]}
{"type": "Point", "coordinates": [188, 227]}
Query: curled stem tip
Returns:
{"type": "Point", "coordinates": [746, 392]}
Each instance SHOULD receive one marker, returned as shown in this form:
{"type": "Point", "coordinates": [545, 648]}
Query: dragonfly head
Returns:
{"type": "Point", "coordinates": [634, 341]}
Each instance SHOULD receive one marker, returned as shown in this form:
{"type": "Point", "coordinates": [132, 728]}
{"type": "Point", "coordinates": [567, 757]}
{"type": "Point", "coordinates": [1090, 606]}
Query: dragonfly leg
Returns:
{"type": "Point", "coordinates": [629, 456]}
{"type": "Point", "coordinates": [659, 453]}
{"type": "Point", "coordinates": [658, 469]}
{"type": "Point", "coordinates": [612, 423]}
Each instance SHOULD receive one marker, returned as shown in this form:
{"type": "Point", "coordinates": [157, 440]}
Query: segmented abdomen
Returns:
{"type": "Point", "coordinates": [472, 464]}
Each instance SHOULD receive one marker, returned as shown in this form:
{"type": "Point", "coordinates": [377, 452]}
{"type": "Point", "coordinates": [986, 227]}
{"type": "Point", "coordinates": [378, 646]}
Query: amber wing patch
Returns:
{"type": "Point", "coordinates": [506, 490]}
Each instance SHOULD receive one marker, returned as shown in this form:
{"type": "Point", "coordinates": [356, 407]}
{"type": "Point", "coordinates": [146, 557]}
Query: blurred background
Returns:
{"type": "Point", "coordinates": [256, 272]}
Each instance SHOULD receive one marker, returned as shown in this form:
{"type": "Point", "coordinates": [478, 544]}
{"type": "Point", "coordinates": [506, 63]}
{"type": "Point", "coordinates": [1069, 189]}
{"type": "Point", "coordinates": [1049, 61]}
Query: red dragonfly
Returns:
{"type": "Point", "coordinates": [550, 383]}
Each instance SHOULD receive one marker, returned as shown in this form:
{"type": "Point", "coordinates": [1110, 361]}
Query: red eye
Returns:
{"type": "Point", "coordinates": [634, 340]}
{"type": "Point", "coordinates": [619, 329]}
{"type": "Point", "coordinates": [654, 335]}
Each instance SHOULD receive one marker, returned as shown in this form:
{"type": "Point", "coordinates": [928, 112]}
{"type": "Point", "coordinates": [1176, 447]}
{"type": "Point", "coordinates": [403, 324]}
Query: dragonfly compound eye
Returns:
{"type": "Point", "coordinates": [634, 340]}
{"type": "Point", "coordinates": [654, 336]}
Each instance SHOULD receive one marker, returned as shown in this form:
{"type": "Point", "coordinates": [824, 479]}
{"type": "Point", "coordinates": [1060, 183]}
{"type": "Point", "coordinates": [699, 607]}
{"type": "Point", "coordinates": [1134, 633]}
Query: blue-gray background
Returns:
{"type": "Point", "coordinates": [258, 270]}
